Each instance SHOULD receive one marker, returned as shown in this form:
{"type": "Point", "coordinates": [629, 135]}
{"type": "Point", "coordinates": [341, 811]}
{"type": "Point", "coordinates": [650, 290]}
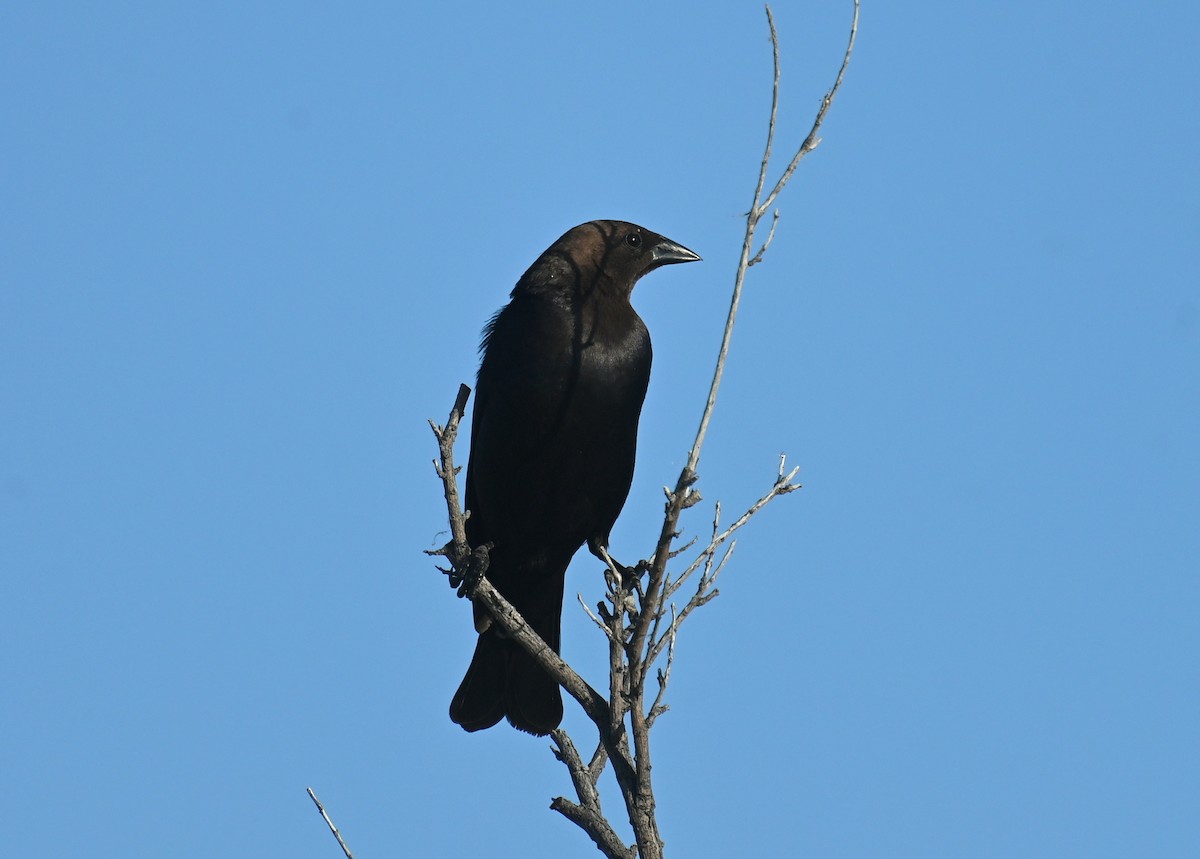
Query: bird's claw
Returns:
{"type": "Point", "coordinates": [619, 577]}
{"type": "Point", "coordinates": [468, 568]}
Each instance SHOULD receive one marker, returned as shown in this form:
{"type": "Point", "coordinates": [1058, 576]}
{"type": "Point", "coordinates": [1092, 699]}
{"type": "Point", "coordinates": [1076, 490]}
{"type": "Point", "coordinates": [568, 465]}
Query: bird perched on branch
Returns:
{"type": "Point", "coordinates": [553, 438]}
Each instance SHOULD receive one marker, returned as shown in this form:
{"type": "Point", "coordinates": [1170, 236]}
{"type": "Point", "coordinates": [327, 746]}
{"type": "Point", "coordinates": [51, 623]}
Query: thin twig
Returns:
{"type": "Point", "coordinates": [766, 159]}
{"type": "Point", "coordinates": [759, 207]}
{"type": "Point", "coordinates": [607, 632]}
{"type": "Point", "coordinates": [664, 676]}
{"type": "Point", "coordinates": [770, 235]}
{"type": "Point", "coordinates": [782, 487]}
{"type": "Point", "coordinates": [811, 141]}
{"type": "Point", "coordinates": [705, 553]}
{"type": "Point", "coordinates": [446, 437]}
{"type": "Point", "coordinates": [329, 823]}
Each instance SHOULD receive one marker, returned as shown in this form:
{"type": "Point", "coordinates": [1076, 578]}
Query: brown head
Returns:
{"type": "Point", "coordinates": [607, 255]}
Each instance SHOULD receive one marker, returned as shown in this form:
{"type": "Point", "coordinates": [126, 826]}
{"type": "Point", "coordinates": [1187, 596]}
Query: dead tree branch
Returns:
{"type": "Point", "coordinates": [586, 814]}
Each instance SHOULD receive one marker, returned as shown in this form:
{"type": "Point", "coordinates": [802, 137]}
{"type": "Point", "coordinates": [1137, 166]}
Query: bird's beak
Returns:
{"type": "Point", "coordinates": [667, 252]}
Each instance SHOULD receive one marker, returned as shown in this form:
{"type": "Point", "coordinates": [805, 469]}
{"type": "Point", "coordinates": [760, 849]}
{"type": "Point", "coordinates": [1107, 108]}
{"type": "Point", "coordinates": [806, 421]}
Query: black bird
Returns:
{"type": "Point", "coordinates": [553, 438]}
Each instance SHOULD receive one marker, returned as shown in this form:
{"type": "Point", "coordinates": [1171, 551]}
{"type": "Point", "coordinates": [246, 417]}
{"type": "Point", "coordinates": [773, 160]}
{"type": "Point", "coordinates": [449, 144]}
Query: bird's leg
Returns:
{"type": "Point", "coordinates": [617, 572]}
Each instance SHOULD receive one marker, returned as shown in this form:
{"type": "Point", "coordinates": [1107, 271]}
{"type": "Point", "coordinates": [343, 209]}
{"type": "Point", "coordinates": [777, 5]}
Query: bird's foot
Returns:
{"type": "Point", "coordinates": [620, 578]}
{"type": "Point", "coordinates": [467, 567]}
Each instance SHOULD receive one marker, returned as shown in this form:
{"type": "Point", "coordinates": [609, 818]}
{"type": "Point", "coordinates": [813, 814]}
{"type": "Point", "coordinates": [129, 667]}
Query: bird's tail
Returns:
{"type": "Point", "coordinates": [504, 680]}
{"type": "Point", "coordinates": [532, 701]}
{"type": "Point", "coordinates": [479, 701]}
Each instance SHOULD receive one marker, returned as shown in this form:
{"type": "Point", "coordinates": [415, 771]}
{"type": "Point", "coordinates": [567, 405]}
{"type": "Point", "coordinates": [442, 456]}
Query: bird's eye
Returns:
{"type": "Point", "coordinates": [633, 240]}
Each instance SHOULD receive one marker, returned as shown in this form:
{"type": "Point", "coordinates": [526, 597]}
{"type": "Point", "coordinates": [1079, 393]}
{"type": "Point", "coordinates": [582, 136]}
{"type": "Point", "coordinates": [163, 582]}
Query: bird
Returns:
{"type": "Point", "coordinates": [563, 375]}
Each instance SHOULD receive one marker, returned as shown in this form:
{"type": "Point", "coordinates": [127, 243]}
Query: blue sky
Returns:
{"type": "Point", "coordinates": [247, 250]}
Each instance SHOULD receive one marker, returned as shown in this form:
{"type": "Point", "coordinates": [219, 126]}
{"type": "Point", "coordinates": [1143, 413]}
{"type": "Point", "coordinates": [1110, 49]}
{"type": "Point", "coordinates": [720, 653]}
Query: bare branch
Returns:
{"type": "Point", "coordinates": [766, 159]}
{"type": "Point", "coordinates": [783, 486]}
{"type": "Point", "coordinates": [446, 437]}
{"type": "Point", "coordinates": [593, 823]}
{"type": "Point", "coordinates": [758, 208]}
{"type": "Point", "coordinates": [664, 676]}
{"type": "Point", "coordinates": [811, 141]}
{"type": "Point", "coordinates": [607, 632]}
{"type": "Point", "coordinates": [566, 752]}
{"type": "Point", "coordinates": [329, 823]}
{"type": "Point", "coordinates": [770, 235]}
{"type": "Point", "coordinates": [704, 593]}
{"type": "Point", "coordinates": [704, 556]}
{"type": "Point", "coordinates": [457, 550]}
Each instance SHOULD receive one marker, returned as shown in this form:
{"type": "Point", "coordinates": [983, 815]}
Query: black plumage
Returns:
{"type": "Point", "coordinates": [553, 439]}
